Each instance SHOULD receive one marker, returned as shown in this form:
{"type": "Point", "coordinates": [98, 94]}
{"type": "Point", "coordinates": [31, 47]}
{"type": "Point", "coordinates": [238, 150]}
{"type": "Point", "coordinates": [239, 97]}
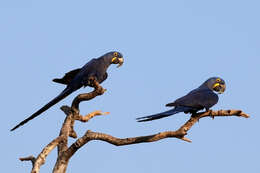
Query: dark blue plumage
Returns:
{"type": "Point", "coordinates": [200, 98]}
{"type": "Point", "coordinates": [78, 78]}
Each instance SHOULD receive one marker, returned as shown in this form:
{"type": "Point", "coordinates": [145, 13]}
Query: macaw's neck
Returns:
{"type": "Point", "coordinates": [106, 61]}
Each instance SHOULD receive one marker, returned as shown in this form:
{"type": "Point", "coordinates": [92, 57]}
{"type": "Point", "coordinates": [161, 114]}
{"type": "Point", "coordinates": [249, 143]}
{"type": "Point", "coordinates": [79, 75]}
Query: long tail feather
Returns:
{"type": "Point", "coordinates": [60, 81]}
{"type": "Point", "coordinates": [163, 114]}
{"type": "Point", "coordinates": [61, 96]}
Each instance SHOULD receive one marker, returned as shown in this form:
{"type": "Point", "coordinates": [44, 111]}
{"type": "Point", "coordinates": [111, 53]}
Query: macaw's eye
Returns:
{"type": "Point", "coordinates": [218, 80]}
{"type": "Point", "coordinates": [115, 54]}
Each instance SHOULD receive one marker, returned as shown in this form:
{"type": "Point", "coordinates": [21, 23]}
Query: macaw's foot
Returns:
{"type": "Point", "coordinates": [101, 91]}
{"type": "Point", "coordinates": [210, 113]}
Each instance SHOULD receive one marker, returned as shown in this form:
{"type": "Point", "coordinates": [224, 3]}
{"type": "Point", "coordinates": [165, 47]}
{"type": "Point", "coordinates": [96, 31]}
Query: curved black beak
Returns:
{"type": "Point", "coordinates": [220, 88]}
{"type": "Point", "coordinates": [120, 62]}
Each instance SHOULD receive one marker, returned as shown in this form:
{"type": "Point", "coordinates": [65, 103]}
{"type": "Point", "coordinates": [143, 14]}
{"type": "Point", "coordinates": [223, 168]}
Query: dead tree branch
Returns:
{"type": "Point", "coordinates": [29, 158]}
{"type": "Point", "coordinates": [40, 160]}
{"type": "Point", "coordinates": [84, 97]}
{"type": "Point", "coordinates": [180, 133]}
{"type": "Point", "coordinates": [65, 152]}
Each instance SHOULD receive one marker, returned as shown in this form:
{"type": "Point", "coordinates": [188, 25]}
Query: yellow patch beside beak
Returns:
{"type": "Point", "coordinates": [114, 59]}
{"type": "Point", "coordinates": [119, 61]}
{"type": "Point", "coordinates": [216, 85]}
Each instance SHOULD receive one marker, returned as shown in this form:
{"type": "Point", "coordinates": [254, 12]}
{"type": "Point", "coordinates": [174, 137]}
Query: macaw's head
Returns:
{"type": "Point", "coordinates": [216, 84]}
{"type": "Point", "coordinates": [115, 58]}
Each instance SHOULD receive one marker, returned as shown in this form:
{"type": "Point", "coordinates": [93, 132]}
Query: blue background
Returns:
{"type": "Point", "coordinates": [170, 48]}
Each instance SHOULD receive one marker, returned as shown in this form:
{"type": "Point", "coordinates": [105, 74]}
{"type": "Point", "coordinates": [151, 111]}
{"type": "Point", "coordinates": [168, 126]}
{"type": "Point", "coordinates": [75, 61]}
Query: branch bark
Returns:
{"type": "Point", "coordinates": [72, 114]}
{"type": "Point", "coordinates": [29, 158]}
{"type": "Point", "coordinates": [98, 90]}
{"type": "Point", "coordinates": [180, 133]}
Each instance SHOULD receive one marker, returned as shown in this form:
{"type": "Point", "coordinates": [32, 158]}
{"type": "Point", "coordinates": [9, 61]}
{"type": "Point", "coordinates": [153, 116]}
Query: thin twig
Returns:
{"type": "Point", "coordinates": [29, 158]}
{"type": "Point", "coordinates": [89, 116]}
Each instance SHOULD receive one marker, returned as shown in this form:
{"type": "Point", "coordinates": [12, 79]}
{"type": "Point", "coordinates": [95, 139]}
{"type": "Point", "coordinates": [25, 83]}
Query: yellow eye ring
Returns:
{"type": "Point", "coordinates": [115, 54]}
{"type": "Point", "coordinates": [218, 80]}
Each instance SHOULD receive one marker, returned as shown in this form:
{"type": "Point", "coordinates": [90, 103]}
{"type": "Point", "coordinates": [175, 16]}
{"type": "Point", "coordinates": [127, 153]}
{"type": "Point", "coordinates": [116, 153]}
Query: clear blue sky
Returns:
{"type": "Point", "coordinates": [169, 48]}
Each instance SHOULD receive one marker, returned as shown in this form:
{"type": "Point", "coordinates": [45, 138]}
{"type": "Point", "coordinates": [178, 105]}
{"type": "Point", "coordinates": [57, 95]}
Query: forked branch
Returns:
{"type": "Point", "coordinates": [65, 152]}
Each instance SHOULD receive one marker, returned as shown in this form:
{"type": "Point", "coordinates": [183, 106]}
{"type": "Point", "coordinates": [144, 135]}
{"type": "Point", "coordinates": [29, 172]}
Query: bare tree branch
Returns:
{"type": "Point", "coordinates": [98, 90]}
{"type": "Point", "coordinates": [220, 113]}
{"type": "Point", "coordinates": [62, 160]}
{"type": "Point", "coordinates": [180, 133]}
{"type": "Point", "coordinates": [40, 160]}
{"type": "Point", "coordinates": [87, 117]}
{"type": "Point", "coordinates": [72, 114]}
{"type": "Point", "coordinates": [67, 130]}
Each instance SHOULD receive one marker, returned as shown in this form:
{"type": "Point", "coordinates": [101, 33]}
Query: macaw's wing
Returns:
{"type": "Point", "coordinates": [104, 77]}
{"type": "Point", "coordinates": [199, 98]}
{"type": "Point", "coordinates": [67, 78]}
{"type": "Point", "coordinates": [94, 68]}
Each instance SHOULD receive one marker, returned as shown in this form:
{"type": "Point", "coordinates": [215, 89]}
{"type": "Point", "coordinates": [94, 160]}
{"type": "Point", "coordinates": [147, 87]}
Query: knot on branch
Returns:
{"type": "Point", "coordinates": [66, 109]}
{"type": "Point", "coordinates": [182, 131]}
